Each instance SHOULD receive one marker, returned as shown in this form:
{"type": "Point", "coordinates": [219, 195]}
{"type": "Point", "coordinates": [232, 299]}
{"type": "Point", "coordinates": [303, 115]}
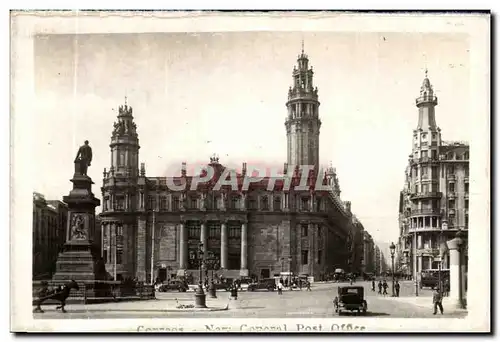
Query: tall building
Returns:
{"type": "Point", "coordinates": [368, 253]}
{"type": "Point", "coordinates": [152, 231]}
{"type": "Point", "coordinates": [435, 200]}
{"type": "Point", "coordinates": [378, 258]}
{"type": "Point", "coordinates": [358, 250]}
{"type": "Point", "coordinates": [49, 224]}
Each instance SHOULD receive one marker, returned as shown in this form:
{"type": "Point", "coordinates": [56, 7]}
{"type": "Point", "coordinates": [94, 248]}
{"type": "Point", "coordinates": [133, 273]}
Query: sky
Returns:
{"type": "Point", "coordinates": [194, 95]}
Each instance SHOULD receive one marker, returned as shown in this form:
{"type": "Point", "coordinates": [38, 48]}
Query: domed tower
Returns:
{"type": "Point", "coordinates": [119, 194]}
{"type": "Point", "coordinates": [302, 122]}
{"type": "Point", "coordinates": [427, 135]}
{"type": "Point", "coordinates": [332, 180]}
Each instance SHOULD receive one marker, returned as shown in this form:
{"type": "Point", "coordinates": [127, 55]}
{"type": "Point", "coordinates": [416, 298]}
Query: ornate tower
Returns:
{"type": "Point", "coordinates": [120, 199]}
{"type": "Point", "coordinates": [302, 122]}
{"type": "Point", "coordinates": [424, 175]}
{"type": "Point", "coordinates": [427, 136]}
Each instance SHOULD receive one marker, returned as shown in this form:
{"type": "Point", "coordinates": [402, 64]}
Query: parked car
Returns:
{"type": "Point", "coordinates": [350, 298]}
{"type": "Point", "coordinates": [173, 285]}
{"type": "Point", "coordinates": [267, 284]}
{"type": "Point", "coordinates": [430, 278]}
{"type": "Point", "coordinates": [245, 283]}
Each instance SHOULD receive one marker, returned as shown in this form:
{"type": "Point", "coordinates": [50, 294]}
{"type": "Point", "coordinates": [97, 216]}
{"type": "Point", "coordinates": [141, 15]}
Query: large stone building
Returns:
{"type": "Point", "coordinates": [435, 200]}
{"type": "Point", "coordinates": [49, 224]}
{"type": "Point", "coordinates": [152, 231]}
{"type": "Point", "coordinates": [368, 253]}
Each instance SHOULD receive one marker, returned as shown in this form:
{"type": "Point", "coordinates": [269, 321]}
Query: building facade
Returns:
{"type": "Point", "coordinates": [49, 224]}
{"type": "Point", "coordinates": [368, 253]}
{"type": "Point", "coordinates": [435, 200]}
{"type": "Point", "coordinates": [151, 230]}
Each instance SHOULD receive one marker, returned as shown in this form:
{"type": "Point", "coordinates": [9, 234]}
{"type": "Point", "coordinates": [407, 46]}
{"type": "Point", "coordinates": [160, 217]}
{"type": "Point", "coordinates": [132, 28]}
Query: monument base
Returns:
{"type": "Point", "coordinates": [79, 265]}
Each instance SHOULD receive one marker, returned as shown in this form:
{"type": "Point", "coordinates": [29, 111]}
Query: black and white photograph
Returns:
{"type": "Point", "coordinates": [250, 172]}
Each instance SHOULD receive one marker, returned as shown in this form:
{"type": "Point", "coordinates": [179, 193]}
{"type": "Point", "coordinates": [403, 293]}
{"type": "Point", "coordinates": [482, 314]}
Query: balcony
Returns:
{"type": "Point", "coordinates": [428, 251]}
{"type": "Point", "coordinates": [452, 195]}
{"type": "Point", "coordinates": [466, 179]}
{"type": "Point", "coordinates": [426, 211]}
{"type": "Point", "coordinates": [419, 195]}
{"type": "Point", "coordinates": [451, 211]}
{"type": "Point", "coordinates": [451, 177]}
{"type": "Point", "coordinates": [426, 99]}
{"type": "Point", "coordinates": [423, 160]}
{"type": "Point", "coordinates": [424, 229]}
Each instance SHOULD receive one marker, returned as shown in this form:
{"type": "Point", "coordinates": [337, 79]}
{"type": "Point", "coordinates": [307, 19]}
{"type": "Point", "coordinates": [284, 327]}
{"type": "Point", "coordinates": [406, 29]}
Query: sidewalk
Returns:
{"type": "Point", "coordinates": [425, 301]}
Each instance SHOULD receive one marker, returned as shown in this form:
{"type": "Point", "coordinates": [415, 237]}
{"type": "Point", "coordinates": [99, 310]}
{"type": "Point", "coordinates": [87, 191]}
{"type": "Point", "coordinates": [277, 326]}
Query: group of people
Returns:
{"type": "Point", "coordinates": [383, 286]}
{"type": "Point", "coordinates": [437, 296]}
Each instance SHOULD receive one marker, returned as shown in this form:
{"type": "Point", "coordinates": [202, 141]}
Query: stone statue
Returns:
{"type": "Point", "coordinates": [83, 158]}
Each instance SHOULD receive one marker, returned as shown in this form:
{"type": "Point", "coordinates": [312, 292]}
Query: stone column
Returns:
{"type": "Point", "coordinates": [244, 250]}
{"type": "Point", "coordinates": [183, 250]}
{"type": "Point", "coordinates": [108, 246]}
{"type": "Point", "coordinates": [455, 273]}
{"type": "Point", "coordinates": [223, 245]}
{"type": "Point", "coordinates": [140, 271]}
{"type": "Point", "coordinates": [204, 238]}
{"type": "Point", "coordinates": [310, 259]}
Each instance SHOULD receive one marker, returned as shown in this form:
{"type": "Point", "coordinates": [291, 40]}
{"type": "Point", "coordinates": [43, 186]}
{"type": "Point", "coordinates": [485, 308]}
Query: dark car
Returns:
{"type": "Point", "coordinates": [267, 284]}
{"type": "Point", "coordinates": [431, 278]}
{"type": "Point", "coordinates": [350, 298]}
{"type": "Point", "coordinates": [174, 285]}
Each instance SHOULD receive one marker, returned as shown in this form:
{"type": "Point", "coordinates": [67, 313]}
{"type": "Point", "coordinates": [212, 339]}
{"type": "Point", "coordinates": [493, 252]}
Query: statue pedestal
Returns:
{"type": "Point", "coordinates": [80, 258]}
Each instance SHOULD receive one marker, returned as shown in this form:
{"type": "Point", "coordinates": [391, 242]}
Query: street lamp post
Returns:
{"type": "Point", "coordinates": [393, 249]}
{"type": "Point", "coordinates": [212, 263]}
{"type": "Point", "coordinates": [200, 297]}
{"type": "Point", "coordinates": [415, 262]}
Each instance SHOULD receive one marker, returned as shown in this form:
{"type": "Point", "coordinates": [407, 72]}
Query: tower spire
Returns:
{"type": "Point", "coordinates": [302, 123]}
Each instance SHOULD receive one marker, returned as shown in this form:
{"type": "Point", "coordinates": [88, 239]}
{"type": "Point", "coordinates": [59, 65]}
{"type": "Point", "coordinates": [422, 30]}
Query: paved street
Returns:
{"type": "Point", "coordinates": [292, 304]}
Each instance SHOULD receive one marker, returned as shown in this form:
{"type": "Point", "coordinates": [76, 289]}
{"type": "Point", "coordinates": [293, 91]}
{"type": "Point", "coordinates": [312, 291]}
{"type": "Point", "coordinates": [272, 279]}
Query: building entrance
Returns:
{"type": "Point", "coordinates": [162, 274]}
{"type": "Point", "coordinates": [265, 273]}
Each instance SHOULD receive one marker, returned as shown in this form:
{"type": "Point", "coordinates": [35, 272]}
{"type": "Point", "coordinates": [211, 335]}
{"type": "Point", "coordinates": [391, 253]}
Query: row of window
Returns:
{"type": "Point", "coordinates": [435, 187]}
{"type": "Point", "coordinates": [234, 203]}
{"type": "Point", "coordinates": [211, 204]}
{"type": "Point", "coordinates": [424, 171]}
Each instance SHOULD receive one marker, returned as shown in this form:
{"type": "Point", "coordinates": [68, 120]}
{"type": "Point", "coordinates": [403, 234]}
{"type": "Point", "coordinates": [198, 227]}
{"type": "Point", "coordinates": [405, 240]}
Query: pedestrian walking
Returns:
{"type": "Point", "coordinates": [280, 288]}
{"type": "Point", "coordinates": [380, 287]}
{"type": "Point", "coordinates": [396, 288]}
{"type": "Point", "coordinates": [437, 300]}
{"type": "Point", "coordinates": [385, 286]}
{"type": "Point", "coordinates": [308, 284]}
{"type": "Point", "coordinates": [373, 285]}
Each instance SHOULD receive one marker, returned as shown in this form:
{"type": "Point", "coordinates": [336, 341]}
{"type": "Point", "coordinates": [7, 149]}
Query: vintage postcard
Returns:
{"type": "Point", "coordinates": [250, 172]}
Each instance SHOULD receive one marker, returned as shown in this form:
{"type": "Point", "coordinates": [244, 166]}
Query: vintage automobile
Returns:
{"type": "Point", "coordinates": [350, 298]}
{"type": "Point", "coordinates": [267, 284]}
{"type": "Point", "coordinates": [173, 285]}
{"type": "Point", "coordinates": [430, 278]}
